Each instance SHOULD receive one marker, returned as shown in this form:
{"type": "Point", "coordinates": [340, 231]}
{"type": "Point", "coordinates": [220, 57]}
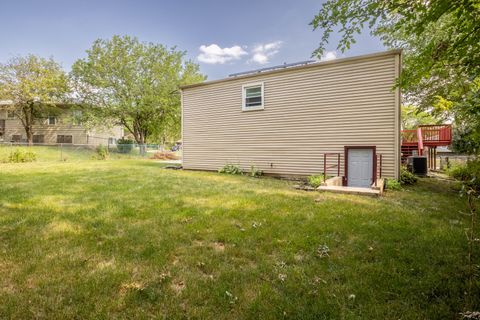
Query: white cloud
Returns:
{"type": "Point", "coordinates": [214, 54]}
{"type": "Point", "coordinates": [263, 52]}
{"type": "Point", "coordinates": [329, 55]}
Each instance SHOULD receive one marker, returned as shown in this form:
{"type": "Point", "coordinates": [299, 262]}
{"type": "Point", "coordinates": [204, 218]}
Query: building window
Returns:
{"type": "Point", "coordinates": [38, 138]}
{"type": "Point", "coordinates": [64, 138]}
{"type": "Point", "coordinates": [112, 140]}
{"type": "Point", "coordinates": [16, 138]}
{"type": "Point", "coordinates": [253, 97]}
{"type": "Point", "coordinates": [52, 120]}
{"type": "Point", "coordinates": [10, 114]}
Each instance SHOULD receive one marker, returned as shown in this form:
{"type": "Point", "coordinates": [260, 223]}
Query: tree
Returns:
{"type": "Point", "coordinates": [412, 117]}
{"type": "Point", "coordinates": [135, 84]}
{"type": "Point", "coordinates": [35, 86]}
{"type": "Point", "coordinates": [441, 42]}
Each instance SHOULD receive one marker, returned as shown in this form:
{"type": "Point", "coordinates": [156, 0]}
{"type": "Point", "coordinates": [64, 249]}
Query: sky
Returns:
{"type": "Point", "coordinates": [224, 37]}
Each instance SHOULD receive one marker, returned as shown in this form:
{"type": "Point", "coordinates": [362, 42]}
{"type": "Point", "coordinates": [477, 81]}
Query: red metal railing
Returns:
{"type": "Point", "coordinates": [430, 135]}
{"type": "Point", "coordinates": [325, 167]}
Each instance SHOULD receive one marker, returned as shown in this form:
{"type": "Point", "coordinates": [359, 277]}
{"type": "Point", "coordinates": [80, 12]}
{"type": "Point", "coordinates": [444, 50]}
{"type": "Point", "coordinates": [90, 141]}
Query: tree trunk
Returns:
{"type": "Point", "coordinates": [29, 132]}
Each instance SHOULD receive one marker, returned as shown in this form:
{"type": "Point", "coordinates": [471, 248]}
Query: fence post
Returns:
{"type": "Point", "coordinates": [61, 151]}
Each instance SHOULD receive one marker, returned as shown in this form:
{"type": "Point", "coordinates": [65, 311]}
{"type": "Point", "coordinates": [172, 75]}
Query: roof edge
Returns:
{"type": "Point", "coordinates": [313, 65]}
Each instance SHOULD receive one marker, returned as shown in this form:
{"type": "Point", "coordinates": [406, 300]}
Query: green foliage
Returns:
{"type": "Point", "coordinates": [102, 152]}
{"type": "Point", "coordinates": [315, 180]}
{"type": "Point", "coordinates": [35, 86]}
{"type": "Point", "coordinates": [134, 83]}
{"type": "Point", "coordinates": [20, 155]}
{"type": "Point", "coordinates": [441, 45]}
{"type": "Point", "coordinates": [255, 172]}
{"type": "Point", "coordinates": [406, 177]}
{"type": "Point", "coordinates": [413, 116]}
{"type": "Point", "coordinates": [125, 145]}
{"type": "Point", "coordinates": [393, 184]}
{"type": "Point", "coordinates": [468, 173]}
{"type": "Point", "coordinates": [230, 169]}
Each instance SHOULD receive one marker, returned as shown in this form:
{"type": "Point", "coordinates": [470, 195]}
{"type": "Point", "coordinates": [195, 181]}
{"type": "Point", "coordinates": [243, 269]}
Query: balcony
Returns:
{"type": "Point", "coordinates": [431, 136]}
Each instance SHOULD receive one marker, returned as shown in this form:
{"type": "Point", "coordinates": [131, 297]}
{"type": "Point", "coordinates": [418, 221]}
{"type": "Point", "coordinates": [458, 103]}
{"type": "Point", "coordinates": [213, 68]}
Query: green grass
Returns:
{"type": "Point", "coordinates": [69, 153]}
{"type": "Point", "coordinates": [129, 239]}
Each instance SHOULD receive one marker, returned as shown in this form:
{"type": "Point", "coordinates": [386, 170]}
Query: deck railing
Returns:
{"type": "Point", "coordinates": [430, 134]}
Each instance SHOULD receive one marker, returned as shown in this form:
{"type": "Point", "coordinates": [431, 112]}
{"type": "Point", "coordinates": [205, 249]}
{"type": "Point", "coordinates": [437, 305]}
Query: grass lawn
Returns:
{"type": "Point", "coordinates": [70, 153]}
{"type": "Point", "coordinates": [128, 239]}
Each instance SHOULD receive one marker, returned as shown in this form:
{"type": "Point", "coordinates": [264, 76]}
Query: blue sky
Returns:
{"type": "Point", "coordinates": [222, 36]}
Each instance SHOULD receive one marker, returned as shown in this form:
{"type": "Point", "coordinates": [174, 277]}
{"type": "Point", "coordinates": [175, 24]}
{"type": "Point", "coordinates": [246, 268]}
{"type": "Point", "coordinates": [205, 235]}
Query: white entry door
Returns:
{"type": "Point", "coordinates": [360, 167]}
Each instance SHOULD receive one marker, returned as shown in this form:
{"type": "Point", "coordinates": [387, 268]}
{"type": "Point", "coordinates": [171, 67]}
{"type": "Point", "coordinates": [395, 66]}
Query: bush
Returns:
{"type": "Point", "coordinates": [19, 155]}
{"type": "Point", "coordinates": [230, 169]}
{"type": "Point", "coordinates": [254, 172]}
{"type": "Point", "coordinates": [125, 145]}
{"type": "Point", "coordinates": [406, 177]}
{"type": "Point", "coordinates": [469, 173]}
{"type": "Point", "coordinates": [102, 152]}
{"type": "Point", "coordinates": [392, 184]}
{"type": "Point", "coordinates": [315, 180]}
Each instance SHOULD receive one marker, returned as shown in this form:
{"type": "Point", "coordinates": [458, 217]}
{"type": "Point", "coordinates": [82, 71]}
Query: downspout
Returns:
{"type": "Point", "coordinates": [420, 141]}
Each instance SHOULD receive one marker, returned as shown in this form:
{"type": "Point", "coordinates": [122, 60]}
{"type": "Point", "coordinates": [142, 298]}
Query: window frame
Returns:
{"type": "Point", "coordinates": [54, 122]}
{"type": "Point", "coordinates": [38, 135]}
{"type": "Point", "coordinates": [244, 96]}
{"type": "Point", "coordinates": [63, 138]}
{"type": "Point", "coordinates": [11, 115]}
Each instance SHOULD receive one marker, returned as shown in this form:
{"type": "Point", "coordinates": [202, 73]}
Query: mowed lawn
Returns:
{"type": "Point", "coordinates": [129, 239]}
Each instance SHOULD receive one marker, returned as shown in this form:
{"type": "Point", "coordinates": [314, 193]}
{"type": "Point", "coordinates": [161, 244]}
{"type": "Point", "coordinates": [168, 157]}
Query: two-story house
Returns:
{"type": "Point", "coordinates": [62, 127]}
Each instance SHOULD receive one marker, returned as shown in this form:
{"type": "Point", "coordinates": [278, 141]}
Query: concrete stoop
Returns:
{"type": "Point", "coordinates": [333, 186]}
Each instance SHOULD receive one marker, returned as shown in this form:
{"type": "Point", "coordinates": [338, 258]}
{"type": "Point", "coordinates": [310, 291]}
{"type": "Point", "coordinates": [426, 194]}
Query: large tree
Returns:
{"type": "Point", "coordinates": [135, 84]}
{"type": "Point", "coordinates": [35, 87]}
{"type": "Point", "coordinates": [441, 42]}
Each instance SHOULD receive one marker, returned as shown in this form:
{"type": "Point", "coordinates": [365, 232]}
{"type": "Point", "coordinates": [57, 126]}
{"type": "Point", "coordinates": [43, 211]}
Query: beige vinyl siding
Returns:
{"type": "Point", "coordinates": [308, 111]}
{"type": "Point", "coordinates": [63, 127]}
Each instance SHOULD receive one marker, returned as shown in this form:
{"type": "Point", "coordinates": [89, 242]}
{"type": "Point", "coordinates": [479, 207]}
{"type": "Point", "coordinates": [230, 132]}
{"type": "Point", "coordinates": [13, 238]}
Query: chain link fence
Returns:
{"type": "Point", "coordinates": [25, 152]}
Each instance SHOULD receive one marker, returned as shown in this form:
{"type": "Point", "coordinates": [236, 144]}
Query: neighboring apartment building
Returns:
{"type": "Point", "coordinates": [60, 128]}
{"type": "Point", "coordinates": [286, 121]}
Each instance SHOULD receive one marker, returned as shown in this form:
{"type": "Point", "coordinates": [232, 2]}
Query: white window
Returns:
{"type": "Point", "coordinates": [52, 120]}
{"type": "Point", "coordinates": [253, 97]}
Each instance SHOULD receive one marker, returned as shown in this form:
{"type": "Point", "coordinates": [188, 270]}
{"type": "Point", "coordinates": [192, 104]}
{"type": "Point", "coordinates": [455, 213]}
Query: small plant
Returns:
{"type": "Point", "coordinates": [19, 156]}
{"type": "Point", "coordinates": [102, 152]}
{"type": "Point", "coordinates": [406, 177]}
{"type": "Point", "coordinates": [393, 184]}
{"type": "Point", "coordinates": [230, 169]}
{"type": "Point", "coordinates": [315, 180]}
{"type": "Point", "coordinates": [255, 172]}
{"type": "Point", "coordinates": [125, 145]}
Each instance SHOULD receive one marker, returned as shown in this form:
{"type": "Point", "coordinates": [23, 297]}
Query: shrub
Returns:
{"type": "Point", "coordinates": [125, 145]}
{"type": "Point", "coordinates": [102, 152]}
{"type": "Point", "coordinates": [254, 172]}
{"type": "Point", "coordinates": [19, 155]}
{"type": "Point", "coordinates": [468, 172]}
{"type": "Point", "coordinates": [230, 169]}
{"type": "Point", "coordinates": [315, 180]}
{"type": "Point", "coordinates": [406, 177]}
{"type": "Point", "coordinates": [393, 184]}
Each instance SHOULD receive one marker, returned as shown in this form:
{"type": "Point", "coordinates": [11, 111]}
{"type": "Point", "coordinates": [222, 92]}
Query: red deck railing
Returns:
{"type": "Point", "coordinates": [431, 135]}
